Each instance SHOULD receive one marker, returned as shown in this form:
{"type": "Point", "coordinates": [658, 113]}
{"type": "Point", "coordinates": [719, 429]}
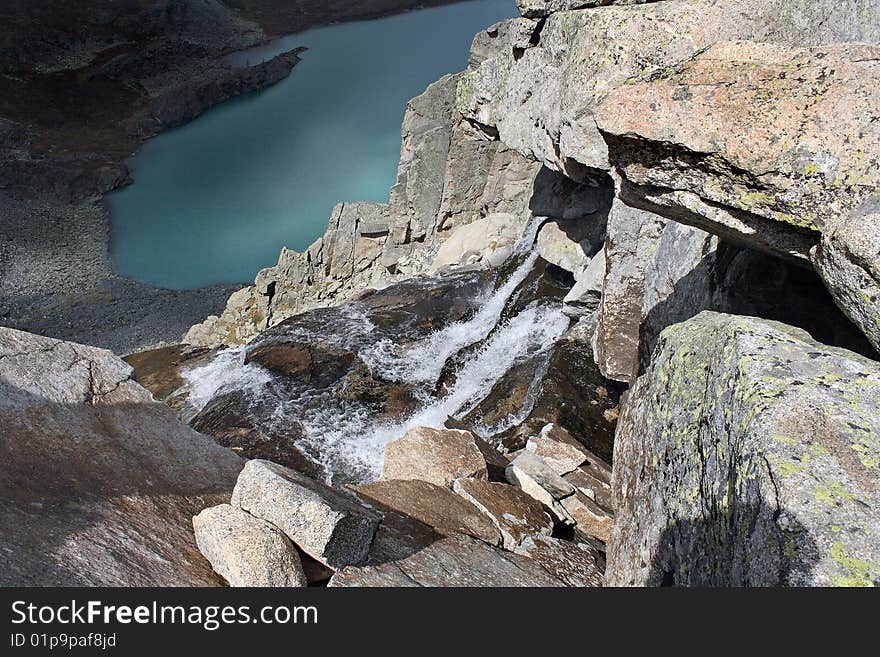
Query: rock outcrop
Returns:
{"type": "Point", "coordinates": [748, 455]}
{"type": "Point", "coordinates": [448, 177]}
{"type": "Point", "coordinates": [100, 482]}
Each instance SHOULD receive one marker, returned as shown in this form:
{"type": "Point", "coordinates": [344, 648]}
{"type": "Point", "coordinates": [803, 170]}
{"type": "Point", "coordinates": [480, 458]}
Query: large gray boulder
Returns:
{"type": "Point", "coordinates": [325, 524]}
{"type": "Point", "coordinates": [247, 551]}
{"type": "Point", "coordinates": [748, 454]}
{"type": "Point", "coordinates": [848, 259]}
{"type": "Point", "coordinates": [100, 482]}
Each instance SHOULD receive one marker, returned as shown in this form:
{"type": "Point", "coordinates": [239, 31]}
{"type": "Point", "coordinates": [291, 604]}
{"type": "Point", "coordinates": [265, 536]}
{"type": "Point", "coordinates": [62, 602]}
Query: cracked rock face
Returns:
{"type": "Point", "coordinates": [748, 454]}
{"type": "Point", "coordinates": [100, 481]}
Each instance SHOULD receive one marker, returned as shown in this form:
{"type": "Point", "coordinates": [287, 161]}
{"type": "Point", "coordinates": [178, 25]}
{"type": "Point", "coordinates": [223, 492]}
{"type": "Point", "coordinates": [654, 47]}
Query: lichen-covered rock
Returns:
{"type": "Point", "coordinates": [456, 560]}
{"type": "Point", "coordinates": [100, 482]}
{"type": "Point", "coordinates": [848, 259]}
{"type": "Point", "coordinates": [245, 550]}
{"type": "Point", "coordinates": [761, 144]}
{"type": "Point", "coordinates": [748, 454]}
{"type": "Point", "coordinates": [324, 523]}
{"type": "Point", "coordinates": [560, 248]}
{"type": "Point", "coordinates": [435, 506]}
{"type": "Point", "coordinates": [540, 94]}
{"type": "Point", "coordinates": [515, 514]}
{"type": "Point", "coordinates": [439, 456]}
{"type": "Point", "coordinates": [575, 563]}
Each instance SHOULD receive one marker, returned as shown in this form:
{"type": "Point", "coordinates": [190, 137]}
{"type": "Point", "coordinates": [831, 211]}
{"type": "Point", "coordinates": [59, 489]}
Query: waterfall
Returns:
{"type": "Point", "coordinates": [343, 435]}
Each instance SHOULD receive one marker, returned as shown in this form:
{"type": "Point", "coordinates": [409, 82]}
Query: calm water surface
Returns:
{"type": "Point", "coordinates": [215, 200]}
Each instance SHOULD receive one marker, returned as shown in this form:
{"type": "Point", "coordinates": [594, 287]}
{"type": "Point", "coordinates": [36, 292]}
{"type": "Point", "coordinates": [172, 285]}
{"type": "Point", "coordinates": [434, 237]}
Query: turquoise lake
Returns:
{"type": "Point", "coordinates": [215, 200]}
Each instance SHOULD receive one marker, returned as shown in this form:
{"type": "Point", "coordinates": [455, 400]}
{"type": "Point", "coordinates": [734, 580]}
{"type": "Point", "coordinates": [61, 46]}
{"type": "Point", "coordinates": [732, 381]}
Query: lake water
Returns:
{"type": "Point", "coordinates": [215, 200]}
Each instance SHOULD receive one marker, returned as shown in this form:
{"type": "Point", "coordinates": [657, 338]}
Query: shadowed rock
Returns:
{"type": "Point", "coordinates": [100, 482]}
{"type": "Point", "coordinates": [748, 455]}
{"type": "Point", "coordinates": [513, 512]}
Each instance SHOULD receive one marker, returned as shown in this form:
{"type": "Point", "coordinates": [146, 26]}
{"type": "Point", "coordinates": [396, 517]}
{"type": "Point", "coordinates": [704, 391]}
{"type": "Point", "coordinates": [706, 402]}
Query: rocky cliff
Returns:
{"type": "Point", "coordinates": [683, 156]}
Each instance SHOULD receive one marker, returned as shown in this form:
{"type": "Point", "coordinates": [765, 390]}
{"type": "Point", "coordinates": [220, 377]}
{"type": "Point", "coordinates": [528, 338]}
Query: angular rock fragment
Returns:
{"type": "Point", "coordinates": [325, 524]}
{"type": "Point", "coordinates": [245, 550]}
{"type": "Point", "coordinates": [590, 518]}
{"type": "Point", "coordinates": [433, 505]}
{"type": "Point", "coordinates": [515, 514]}
{"type": "Point", "coordinates": [538, 480]}
{"type": "Point", "coordinates": [575, 563]}
{"type": "Point", "coordinates": [596, 488]}
{"type": "Point", "coordinates": [439, 456]}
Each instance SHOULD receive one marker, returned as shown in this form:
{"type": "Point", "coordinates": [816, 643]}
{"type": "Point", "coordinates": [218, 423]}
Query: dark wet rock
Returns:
{"type": "Point", "coordinates": [100, 481]}
{"type": "Point", "coordinates": [575, 563]}
{"type": "Point", "coordinates": [574, 395]}
{"type": "Point", "coordinates": [158, 370]}
{"type": "Point", "coordinates": [747, 454]}
{"type": "Point", "coordinates": [331, 527]}
{"type": "Point", "coordinates": [432, 505]}
{"type": "Point", "coordinates": [309, 363]}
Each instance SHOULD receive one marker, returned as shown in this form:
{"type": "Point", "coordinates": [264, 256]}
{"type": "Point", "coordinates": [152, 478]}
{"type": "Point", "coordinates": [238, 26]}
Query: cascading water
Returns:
{"type": "Point", "coordinates": [345, 436]}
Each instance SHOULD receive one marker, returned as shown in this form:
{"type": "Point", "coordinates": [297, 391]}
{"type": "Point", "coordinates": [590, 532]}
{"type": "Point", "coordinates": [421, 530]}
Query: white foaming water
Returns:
{"type": "Point", "coordinates": [225, 372]}
{"type": "Point", "coordinates": [423, 362]}
{"type": "Point", "coordinates": [343, 435]}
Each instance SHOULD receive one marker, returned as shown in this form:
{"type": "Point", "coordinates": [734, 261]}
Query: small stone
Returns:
{"type": "Point", "coordinates": [514, 513]}
{"type": "Point", "coordinates": [438, 456]}
{"type": "Point", "coordinates": [325, 524]}
{"type": "Point", "coordinates": [245, 550]}
{"type": "Point", "coordinates": [597, 490]}
{"type": "Point", "coordinates": [589, 516]}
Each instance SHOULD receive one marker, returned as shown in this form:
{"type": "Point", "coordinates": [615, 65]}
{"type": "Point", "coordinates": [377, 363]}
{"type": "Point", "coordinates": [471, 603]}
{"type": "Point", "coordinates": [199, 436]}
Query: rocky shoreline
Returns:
{"type": "Point", "coordinates": [100, 82]}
